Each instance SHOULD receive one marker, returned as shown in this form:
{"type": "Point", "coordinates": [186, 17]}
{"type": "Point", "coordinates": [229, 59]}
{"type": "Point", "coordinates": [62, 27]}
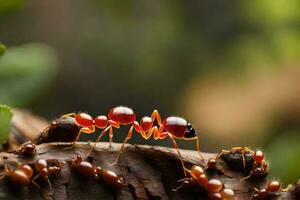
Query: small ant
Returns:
{"type": "Point", "coordinates": [242, 150]}
{"type": "Point", "coordinates": [46, 168]}
{"type": "Point", "coordinates": [214, 187]}
{"type": "Point", "coordinates": [259, 167]}
{"type": "Point", "coordinates": [86, 169]}
{"type": "Point", "coordinates": [211, 165]}
{"type": "Point", "coordinates": [172, 127]}
{"type": "Point", "coordinates": [27, 149]}
{"type": "Point", "coordinates": [273, 189]}
{"type": "Point", "coordinates": [109, 177]}
{"type": "Point", "coordinates": [20, 176]}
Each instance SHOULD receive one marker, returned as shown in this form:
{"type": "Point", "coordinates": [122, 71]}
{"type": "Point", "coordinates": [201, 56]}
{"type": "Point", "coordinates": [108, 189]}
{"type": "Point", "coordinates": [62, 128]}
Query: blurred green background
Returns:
{"type": "Point", "coordinates": [230, 67]}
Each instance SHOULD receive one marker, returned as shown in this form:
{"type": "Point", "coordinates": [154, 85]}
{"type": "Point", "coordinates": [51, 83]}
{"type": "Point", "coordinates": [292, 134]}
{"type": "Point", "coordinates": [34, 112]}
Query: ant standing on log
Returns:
{"type": "Point", "coordinates": [260, 167]}
{"type": "Point", "coordinates": [172, 127]}
{"type": "Point", "coordinates": [27, 149]}
{"type": "Point", "coordinates": [215, 188]}
{"type": "Point", "coordinates": [45, 169]}
{"type": "Point", "coordinates": [86, 169]}
{"type": "Point", "coordinates": [273, 189]}
{"type": "Point", "coordinates": [20, 176]}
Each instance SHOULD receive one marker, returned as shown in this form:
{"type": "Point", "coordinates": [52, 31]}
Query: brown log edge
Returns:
{"type": "Point", "coordinates": [151, 172]}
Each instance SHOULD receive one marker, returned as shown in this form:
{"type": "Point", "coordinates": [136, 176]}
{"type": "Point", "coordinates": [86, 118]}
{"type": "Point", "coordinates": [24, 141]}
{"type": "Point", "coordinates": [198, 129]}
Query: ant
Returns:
{"type": "Point", "coordinates": [46, 168]}
{"type": "Point", "coordinates": [215, 187]}
{"type": "Point", "coordinates": [20, 176]}
{"type": "Point", "coordinates": [273, 188]}
{"type": "Point", "coordinates": [242, 150]}
{"type": "Point", "coordinates": [86, 169]}
{"type": "Point", "coordinates": [211, 165]}
{"type": "Point", "coordinates": [172, 127]}
{"type": "Point", "coordinates": [259, 167]}
{"type": "Point", "coordinates": [27, 149]}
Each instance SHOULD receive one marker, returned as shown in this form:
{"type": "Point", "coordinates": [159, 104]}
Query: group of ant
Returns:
{"type": "Point", "coordinates": [22, 174]}
{"type": "Point", "coordinates": [172, 127]}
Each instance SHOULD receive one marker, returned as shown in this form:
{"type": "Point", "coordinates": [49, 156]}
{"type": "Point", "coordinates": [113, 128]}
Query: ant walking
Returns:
{"type": "Point", "coordinates": [171, 127]}
{"type": "Point", "coordinates": [46, 168]}
{"type": "Point", "coordinates": [215, 188]}
{"type": "Point", "coordinates": [88, 170]}
{"type": "Point", "coordinates": [272, 189]}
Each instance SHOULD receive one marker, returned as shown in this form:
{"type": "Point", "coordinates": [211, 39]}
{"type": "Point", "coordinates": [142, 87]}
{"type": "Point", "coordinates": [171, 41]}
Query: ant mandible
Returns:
{"type": "Point", "coordinates": [172, 127]}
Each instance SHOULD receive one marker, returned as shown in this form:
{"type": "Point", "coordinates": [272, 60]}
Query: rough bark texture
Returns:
{"type": "Point", "coordinates": [150, 172]}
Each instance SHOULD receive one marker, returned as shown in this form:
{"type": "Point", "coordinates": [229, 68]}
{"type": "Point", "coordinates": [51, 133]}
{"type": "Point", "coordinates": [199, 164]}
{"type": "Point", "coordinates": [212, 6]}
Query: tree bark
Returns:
{"type": "Point", "coordinates": [150, 172]}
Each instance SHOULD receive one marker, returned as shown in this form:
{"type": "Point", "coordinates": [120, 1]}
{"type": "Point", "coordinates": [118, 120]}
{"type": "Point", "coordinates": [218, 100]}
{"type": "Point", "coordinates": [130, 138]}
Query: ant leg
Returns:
{"type": "Point", "coordinates": [109, 127]}
{"type": "Point", "coordinates": [129, 135]}
{"type": "Point", "coordinates": [162, 135]}
{"type": "Point", "coordinates": [111, 135]}
{"type": "Point", "coordinates": [156, 115]}
{"type": "Point", "coordinates": [288, 188]}
{"type": "Point", "coordinates": [197, 146]}
{"type": "Point", "coordinates": [99, 137]}
{"type": "Point", "coordinates": [243, 151]}
{"type": "Point", "coordinates": [245, 178]}
{"type": "Point", "coordinates": [50, 186]}
{"type": "Point", "coordinates": [222, 152]}
{"type": "Point", "coordinates": [33, 181]}
{"type": "Point", "coordinates": [86, 130]}
{"type": "Point", "coordinates": [68, 115]}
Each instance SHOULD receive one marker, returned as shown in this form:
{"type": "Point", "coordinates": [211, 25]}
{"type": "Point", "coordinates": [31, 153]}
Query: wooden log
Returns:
{"type": "Point", "coordinates": [151, 172]}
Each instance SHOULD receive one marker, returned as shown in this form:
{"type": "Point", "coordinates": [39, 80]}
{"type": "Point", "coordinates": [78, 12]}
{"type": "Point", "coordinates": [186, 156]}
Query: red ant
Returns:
{"type": "Point", "coordinates": [273, 188]}
{"type": "Point", "coordinates": [27, 149]}
{"type": "Point", "coordinates": [20, 176]}
{"type": "Point", "coordinates": [46, 168]}
{"type": "Point", "coordinates": [86, 169]}
{"type": "Point", "coordinates": [215, 187]}
{"type": "Point", "coordinates": [172, 127]}
{"type": "Point", "coordinates": [259, 167]}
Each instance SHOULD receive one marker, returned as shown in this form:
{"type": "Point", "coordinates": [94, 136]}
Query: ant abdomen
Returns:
{"type": "Point", "coordinates": [112, 179]}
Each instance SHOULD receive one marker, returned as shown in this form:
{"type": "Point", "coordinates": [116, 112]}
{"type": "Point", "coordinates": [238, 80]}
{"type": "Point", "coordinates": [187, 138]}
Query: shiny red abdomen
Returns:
{"type": "Point", "coordinates": [175, 125]}
{"type": "Point", "coordinates": [122, 115]}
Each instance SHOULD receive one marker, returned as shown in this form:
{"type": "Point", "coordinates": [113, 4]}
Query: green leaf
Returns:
{"type": "Point", "coordinates": [5, 122]}
{"type": "Point", "coordinates": [26, 73]}
{"type": "Point", "coordinates": [2, 48]}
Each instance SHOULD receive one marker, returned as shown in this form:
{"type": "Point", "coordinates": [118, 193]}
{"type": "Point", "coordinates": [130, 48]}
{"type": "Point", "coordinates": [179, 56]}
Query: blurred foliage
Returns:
{"type": "Point", "coordinates": [283, 152]}
{"type": "Point", "coordinates": [2, 48]}
{"type": "Point", "coordinates": [9, 6]}
{"type": "Point", "coordinates": [5, 122]}
{"type": "Point", "coordinates": [26, 72]}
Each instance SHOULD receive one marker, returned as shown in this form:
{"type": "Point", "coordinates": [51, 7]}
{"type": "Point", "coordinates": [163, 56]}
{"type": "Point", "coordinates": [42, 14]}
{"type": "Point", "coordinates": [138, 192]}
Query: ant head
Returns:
{"type": "Point", "coordinates": [190, 132]}
{"type": "Point", "coordinates": [259, 156]}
